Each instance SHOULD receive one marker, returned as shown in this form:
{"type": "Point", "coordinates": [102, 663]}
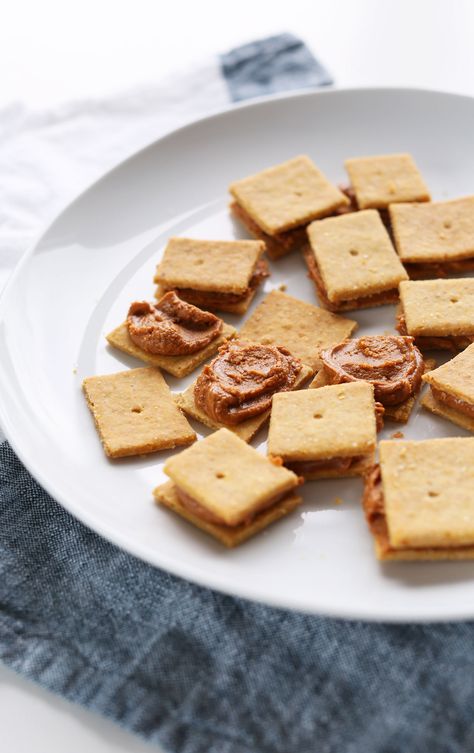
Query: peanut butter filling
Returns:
{"type": "Point", "coordinates": [453, 402]}
{"type": "Point", "coordinates": [431, 342]}
{"type": "Point", "coordinates": [202, 512]}
{"type": "Point", "coordinates": [213, 299]}
{"type": "Point", "coordinates": [241, 381]}
{"type": "Point", "coordinates": [279, 244]}
{"type": "Point", "coordinates": [171, 327]}
{"type": "Point", "coordinates": [339, 465]}
{"type": "Point", "coordinates": [366, 301]}
{"type": "Point", "coordinates": [392, 364]}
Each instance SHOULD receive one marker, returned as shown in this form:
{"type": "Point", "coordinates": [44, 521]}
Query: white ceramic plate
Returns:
{"type": "Point", "coordinates": [76, 284]}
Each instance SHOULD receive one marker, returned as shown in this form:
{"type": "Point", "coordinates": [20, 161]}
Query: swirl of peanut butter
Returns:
{"type": "Point", "coordinates": [392, 364]}
{"type": "Point", "coordinates": [171, 327]}
{"type": "Point", "coordinates": [241, 381]}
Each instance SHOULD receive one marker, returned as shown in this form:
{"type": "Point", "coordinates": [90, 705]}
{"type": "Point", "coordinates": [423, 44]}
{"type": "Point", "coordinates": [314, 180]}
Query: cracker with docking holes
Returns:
{"type": "Point", "coordinates": [135, 413]}
{"type": "Point", "coordinates": [221, 275]}
{"type": "Point", "coordinates": [325, 433]}
{"type": "Point", "coordinates": [439, 231]}
{"type": "Point", "coordinates": [300, 327]}
{"type": "Point", "coordinates": [382, 180]}
{"type": "Point", "coordinates": [440, 308]}
{"type": "Point", "coordinates": [178, 366]}
{"type": "Point", "coordinates": [287, 195]}
{"type": "Point", "coordinates": [355, 259]}
{"type": "Point", "coordinates": [428, 489]}
{"type": "Point", "coordinates": [227, 483]}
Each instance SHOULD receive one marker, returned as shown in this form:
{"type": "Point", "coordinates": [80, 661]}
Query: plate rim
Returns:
{"type": "Point", "coordinates": [182, 570]}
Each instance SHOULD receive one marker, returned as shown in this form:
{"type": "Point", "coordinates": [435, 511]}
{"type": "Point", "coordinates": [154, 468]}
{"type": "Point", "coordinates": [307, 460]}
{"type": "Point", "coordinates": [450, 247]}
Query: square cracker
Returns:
{"type": "Point", "coordinates": [229, 536]}
{"type": "Point", "coordinates": [331, 422]}
{"type": "Point", "coordinates": [383, 180]}
{"type": "Point", "coordinates": [399, 413]}
{"type": "Point", "coordinates": [429, 492]}
{"type": "Point", "coordinates": [429, 402]}
{"type": "Point", "coordinates": [439, 308]}
{"type": "Point", "coordinates": [287, 195]}
{"type": "Point", "coordinates": [436, 232]}
{"type": "Point", "coordinates": [135, 413]}
{"type": "Point", "coordinates": [179, 366]}
{"type": "Point", "coordinates": [246, 430]}
{"type": "Point", "coordinates": [217, 266]}
{"type": "Point", "coordinates": [455, 376]}
{"type": "Point", "coordinates": [355, 255]}
{"type": "Point", "coordinates": [300, 327]}
{"type": "Point", "coordinates": [228, 478]}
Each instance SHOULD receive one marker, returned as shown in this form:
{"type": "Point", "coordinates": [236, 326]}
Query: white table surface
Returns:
{"type": "Point", "coordinates": [54, 51]}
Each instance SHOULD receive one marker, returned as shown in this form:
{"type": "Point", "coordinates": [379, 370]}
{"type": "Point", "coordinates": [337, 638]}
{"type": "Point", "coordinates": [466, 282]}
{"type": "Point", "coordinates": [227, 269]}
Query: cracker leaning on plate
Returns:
{"type": "Point", "coordinates": [352, 262]}
{"type": "Point", "coordinates": [276, 204]}
{"type": "Point", "coordinates": [451, 393]}
{"type": "Point", "coordinates": [216, 275]}
{"type": "Point", "coordinates": [301, 327]}
{"type": "Point", "coordinates": [227, 489]}
{"type": "Point", "coordinates": [135, 413]}
{"type": "Point", "coordinates": [419, 502]}
{"type": "Point", "coordinates": [325, 433]}
{"type": "Point", "coordinates": [439, 314]}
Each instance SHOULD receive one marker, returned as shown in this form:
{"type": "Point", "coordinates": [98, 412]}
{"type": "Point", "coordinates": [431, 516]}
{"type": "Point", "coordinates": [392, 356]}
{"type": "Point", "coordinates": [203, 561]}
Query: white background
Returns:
{"type": "Point", "coordinates": [55, 51]}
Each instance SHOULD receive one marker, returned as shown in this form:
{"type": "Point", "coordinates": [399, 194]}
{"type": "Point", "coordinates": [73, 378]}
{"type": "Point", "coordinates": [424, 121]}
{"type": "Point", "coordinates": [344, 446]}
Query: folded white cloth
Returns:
{"type": "Point", "coordinates": [48, 158]}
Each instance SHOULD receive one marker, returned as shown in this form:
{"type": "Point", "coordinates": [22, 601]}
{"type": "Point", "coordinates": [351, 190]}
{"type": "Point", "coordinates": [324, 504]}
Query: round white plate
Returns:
{"type": "Point", "coordinates": [76, 284]}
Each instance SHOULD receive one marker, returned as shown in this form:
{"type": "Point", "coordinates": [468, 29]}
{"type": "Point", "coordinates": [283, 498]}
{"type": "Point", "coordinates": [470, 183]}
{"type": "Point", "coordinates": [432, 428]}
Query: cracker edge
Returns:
{"type": "Point", "coordinates": [166, 496]}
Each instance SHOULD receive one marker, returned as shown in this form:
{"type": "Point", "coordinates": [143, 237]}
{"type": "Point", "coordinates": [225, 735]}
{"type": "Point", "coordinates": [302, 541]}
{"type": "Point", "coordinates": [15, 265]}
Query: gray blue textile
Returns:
{"type": "Point", "coordinates": [276, 64]}
{"type": "Point", "coordinates": [200, 672]}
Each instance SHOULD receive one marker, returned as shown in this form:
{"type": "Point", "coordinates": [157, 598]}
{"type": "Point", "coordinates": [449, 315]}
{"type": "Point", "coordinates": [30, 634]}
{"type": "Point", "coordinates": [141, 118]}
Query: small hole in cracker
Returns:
{"type": "Point", "coordinates": [354, 252]}
{"type": "Point", "coordinates": [137, 409]}
{"type": "Point", "coordinates": [454, 299]}
{"type": "Point", "coordinates": [219, 474]}
{"type": "Point", "coordinates": [317, 415]}
{"type": "Point", "coordinates": [447, 224]}
{"type": "Point", "coordinates": [433, 494]}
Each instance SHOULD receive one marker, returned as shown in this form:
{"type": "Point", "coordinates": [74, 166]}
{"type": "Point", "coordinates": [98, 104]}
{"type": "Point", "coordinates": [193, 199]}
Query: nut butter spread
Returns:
{"type": "Point", "coordinates": [373, 499]}
{"type": "Point", "coordinates": [392, 364]}
{"type": "Point", "coordinates": [171, 327]}
{"type": "Point", "coordinates": [240, 382]}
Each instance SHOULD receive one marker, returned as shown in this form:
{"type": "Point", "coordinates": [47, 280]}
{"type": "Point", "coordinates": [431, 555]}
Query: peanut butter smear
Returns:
{"type": "Point", "coordinates": [171, 327]}
{"type": "Point", "coordinates": [240, 382]}
{"type": "Point", "coordinates": [373, 500]}
{"type": "Point", "coordinates": [392, 364]}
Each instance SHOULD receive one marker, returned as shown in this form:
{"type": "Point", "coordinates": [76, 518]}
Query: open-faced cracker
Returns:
{"type": "Point", "coordinates": [178, 366]}
{"type": "Point", "coordinates": [135, 413]}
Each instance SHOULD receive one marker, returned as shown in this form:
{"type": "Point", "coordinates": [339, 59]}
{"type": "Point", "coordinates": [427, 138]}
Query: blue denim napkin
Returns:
{"type": "Point", "coordinates": [199, 672]}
